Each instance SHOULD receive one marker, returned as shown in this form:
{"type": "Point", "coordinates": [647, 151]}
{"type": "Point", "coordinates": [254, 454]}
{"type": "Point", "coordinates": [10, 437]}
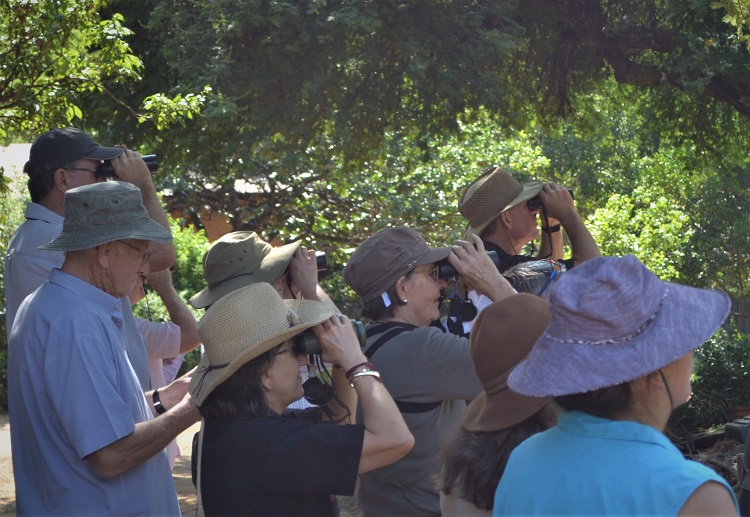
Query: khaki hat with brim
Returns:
{"type": "Point", "coordinates": [245, 324]}
{"type": "Point", "coordinates": [239, 259]}
{"type": "Point", "coordinates": [501, 337]}
{"type": "Point", "coordinates": [383, 258]}
{"type": "Point", "coordinates": [494, 192]}
{"type": "Point", "coordinates": [104, 212]}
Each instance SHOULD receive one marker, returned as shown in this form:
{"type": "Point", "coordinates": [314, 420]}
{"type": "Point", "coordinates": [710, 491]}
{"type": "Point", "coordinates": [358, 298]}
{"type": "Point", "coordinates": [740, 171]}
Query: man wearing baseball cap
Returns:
{"type": "Point", "coordinates": [496, 208]}
{"type": "Point", "coordinates": [59, 160]}
{"type": "Point", "coordinates": [83, 435]}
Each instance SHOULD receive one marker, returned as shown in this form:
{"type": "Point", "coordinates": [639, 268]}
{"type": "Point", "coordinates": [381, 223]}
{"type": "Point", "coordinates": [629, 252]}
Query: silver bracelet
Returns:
{"type": "Point", "coordinates": [364, 373]}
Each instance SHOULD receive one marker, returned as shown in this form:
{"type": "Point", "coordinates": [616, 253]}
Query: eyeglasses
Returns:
{"type": "Point", "coordinates": [146, 254]}
{"type": "Point", "coordinates": [95, 171]}
{"type": "Point", "coordinates": [556, 269]}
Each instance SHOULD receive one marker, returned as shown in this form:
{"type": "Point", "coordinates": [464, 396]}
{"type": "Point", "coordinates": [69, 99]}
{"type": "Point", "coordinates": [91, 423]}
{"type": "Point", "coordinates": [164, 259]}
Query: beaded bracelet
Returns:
{"type": "Point", "coordinates": [351, 370]}
{"type": "Point", "coordinates": [364, 373]}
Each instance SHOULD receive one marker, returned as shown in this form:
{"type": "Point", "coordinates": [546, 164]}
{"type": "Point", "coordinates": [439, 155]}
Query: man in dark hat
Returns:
{"type": "Point", "coordinates": [59, 160]}
{"type": "Point", "coordinates": [83, 435]}
{"type": "Point", "coordinates": [496, 208]}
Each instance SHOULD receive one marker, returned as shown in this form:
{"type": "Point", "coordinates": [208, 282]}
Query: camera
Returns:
{"type": "Point", "coordinates": [306, 343]}
{"type": "Point", "coordinates": [322, 261]}
{"type": "Point", "coordinates": [106, 170]}
{"type": "Point", "coordinates": [535, 203]}
{"type": "Point", "coordinates": [446, 270]}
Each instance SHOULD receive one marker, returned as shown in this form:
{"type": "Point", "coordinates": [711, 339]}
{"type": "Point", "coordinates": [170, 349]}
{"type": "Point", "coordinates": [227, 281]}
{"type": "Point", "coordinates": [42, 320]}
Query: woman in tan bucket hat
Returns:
{"type": "Point", "coordinates": [254, 457]}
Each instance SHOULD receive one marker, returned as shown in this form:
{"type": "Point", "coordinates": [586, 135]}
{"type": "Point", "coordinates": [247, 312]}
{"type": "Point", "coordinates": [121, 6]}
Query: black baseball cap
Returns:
{"type": "Point", "coordinates": [61, 146]}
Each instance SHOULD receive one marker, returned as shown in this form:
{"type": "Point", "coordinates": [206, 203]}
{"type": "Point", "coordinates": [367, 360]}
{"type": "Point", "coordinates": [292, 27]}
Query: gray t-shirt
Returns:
{"type": "Point", "coordinates": [419, 365]}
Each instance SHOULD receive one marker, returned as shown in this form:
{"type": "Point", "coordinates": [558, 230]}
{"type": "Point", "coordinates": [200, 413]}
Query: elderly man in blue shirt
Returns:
{"type": "Point", "coordinates": [83, 436]}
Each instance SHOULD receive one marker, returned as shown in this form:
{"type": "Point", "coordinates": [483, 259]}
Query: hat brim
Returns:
{"type": "Point", "coordinates": [530, 190]}
{"type": "Point", "coordinates": [144, 229]}
{"type": "Point", "coordinates": [271, 268]}
{"type": "Point", "coordinates": [207, 377]}
{"type": "Point", "coordinates": [487, 413]}
{"type": "Point", "coordinates": [434, 255]}
{"type": "Point", "coordinates": [688, 317]}
{"type": "Point", "coordinates": [103, 153]}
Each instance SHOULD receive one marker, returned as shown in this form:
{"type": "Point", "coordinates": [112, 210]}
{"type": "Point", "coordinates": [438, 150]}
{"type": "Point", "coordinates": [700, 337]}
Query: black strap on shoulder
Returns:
{"type": "Point", "coordinates": [396, 329]}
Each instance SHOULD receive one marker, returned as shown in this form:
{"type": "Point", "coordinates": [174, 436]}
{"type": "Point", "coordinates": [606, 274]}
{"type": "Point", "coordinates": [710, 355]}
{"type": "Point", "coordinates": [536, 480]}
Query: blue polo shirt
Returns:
{"type": "Point", "coordinates": [72, 391]}
{"type": "Point", "coordinates": [592, 466]}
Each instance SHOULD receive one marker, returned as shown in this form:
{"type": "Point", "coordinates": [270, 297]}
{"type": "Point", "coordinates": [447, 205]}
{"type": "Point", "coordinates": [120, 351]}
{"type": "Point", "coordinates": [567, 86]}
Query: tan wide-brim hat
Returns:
{"type": "Point", "coordinates": [239, 259]}
{"type": "Point", "coordinates": [245, 324]}
{"type": "Point", "coordinates": [502, 336]}
{"type": "Point", "coordinates": [494, 192]}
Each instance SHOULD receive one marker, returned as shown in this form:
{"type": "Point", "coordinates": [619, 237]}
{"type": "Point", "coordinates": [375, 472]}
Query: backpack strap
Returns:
{"type": "Point", "coordinates": [396, 329]}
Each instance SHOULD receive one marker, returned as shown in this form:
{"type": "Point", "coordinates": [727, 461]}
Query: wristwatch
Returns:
{"type": "Point", "coordinates": [158, 406]}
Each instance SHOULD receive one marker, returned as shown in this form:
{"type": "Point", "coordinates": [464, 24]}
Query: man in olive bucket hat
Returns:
{"type": "Point", "coordinates": [496, 208]}
{"type": "Point", "coordinates": [83, 435]}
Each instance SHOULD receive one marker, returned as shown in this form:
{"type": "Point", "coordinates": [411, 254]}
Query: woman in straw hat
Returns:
{"type": "Point", "coordinates": [253, 456]}
{"type": "Point", "coordinates": [428, 372]}
{"type": "Point", "coordinates": [497, 420]}
{"type": "Point", "coordinates": [617, 356]}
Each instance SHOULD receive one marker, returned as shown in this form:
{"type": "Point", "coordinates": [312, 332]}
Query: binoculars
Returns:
{"type": "Point", "coordinates": [106, 170]}
{"type": "Point", "coordinates": [535, 203]}
{"type": "Point", "coordinates": [446, 271]}
{"type": "Point", "coordinates": [306, 343]}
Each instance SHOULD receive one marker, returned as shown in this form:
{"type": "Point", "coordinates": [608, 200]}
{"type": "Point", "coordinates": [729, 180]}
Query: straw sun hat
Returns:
{"type": "Point", "coordinates": [491, 194]}
{"type": "Point", "coordinates": [245, 324]}
{"type": "Point", "coordinates": [239, 259]}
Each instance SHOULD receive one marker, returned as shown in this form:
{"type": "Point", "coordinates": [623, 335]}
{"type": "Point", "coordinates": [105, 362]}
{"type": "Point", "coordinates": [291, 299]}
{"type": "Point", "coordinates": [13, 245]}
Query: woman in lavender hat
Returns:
{"type": "Point", "coordinates": [617, 356]}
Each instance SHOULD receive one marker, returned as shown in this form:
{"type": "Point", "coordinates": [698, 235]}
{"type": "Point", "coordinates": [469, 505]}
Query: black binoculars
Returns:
{"type": "Point", "coordinates": [535, 203]}
{"type": "Point", "coordinates": [306, 343]}
{"type": "Point", "coordinates": [446, 271]}
{"type": "Point", "coordinates": [106, 170]}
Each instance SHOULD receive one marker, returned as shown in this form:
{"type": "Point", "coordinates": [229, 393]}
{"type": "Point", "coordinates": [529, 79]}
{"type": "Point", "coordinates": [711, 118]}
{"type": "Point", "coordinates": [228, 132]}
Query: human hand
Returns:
{"type": "Point", "coordinates": [338, 342]}
{"type": "Point", "coordinates": [161, 281]}
{"type": "Point", "coordinates": [304, 269]}
{"type": "Point", "coordinates": [130, 167]}
{"type": "Point", "coordinates": [558, 202]}
{"type": "Point", "coordinates": [477, 270]}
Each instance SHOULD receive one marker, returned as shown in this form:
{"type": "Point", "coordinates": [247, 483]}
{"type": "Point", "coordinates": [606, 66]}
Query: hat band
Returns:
{"type": "Point", "coordinates": [214, 285]}
{"type": "Point", "coordinates": [640, 330]}
{"type": "Point", "coordinates": [205, 372]}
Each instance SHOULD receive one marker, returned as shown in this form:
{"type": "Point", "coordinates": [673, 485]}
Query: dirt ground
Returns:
{"type": "Point", "coordinates": [181, 473]}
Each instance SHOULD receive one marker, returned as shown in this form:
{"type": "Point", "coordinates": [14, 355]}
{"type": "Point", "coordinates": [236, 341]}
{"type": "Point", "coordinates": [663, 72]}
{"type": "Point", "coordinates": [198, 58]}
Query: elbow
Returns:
{"type": "Point", "coordinates": [105, 469]}
{"type": "Point", "coordinates": [405, 443]}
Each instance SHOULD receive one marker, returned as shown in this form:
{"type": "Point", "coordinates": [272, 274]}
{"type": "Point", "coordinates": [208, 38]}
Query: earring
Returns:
{"type": "Point", "coordinates": [405, 300]}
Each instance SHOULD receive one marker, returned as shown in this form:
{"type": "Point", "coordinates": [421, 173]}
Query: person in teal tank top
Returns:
{"type": "Point", "coordinates": [617, 357]}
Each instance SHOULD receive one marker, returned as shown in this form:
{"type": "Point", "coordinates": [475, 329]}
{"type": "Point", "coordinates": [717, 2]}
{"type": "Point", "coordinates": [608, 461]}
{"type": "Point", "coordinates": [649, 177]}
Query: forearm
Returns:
{"type": "Point", "coordinates": [346, 395]}
{"type": "Point", "coordinates": [163, 256]}
{"type": "Point", "coordinates": [551, 247]}
{"type": "Point", "coordinates": [145, 441]}
{"type": "Point", "coordinates": [181, 316]}
{"type": "Point", "coordinates": [582, 243]}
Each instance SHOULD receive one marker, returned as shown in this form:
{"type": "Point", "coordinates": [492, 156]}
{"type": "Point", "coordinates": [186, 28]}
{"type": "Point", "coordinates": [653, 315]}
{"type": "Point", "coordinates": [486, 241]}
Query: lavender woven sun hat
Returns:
{"type": "Point", "coordinates": [613, 321]}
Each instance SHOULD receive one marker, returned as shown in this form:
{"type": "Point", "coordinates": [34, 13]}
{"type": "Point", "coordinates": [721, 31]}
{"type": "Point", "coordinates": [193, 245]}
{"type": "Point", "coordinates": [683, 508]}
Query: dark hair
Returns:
{"type": "Point", "coordinates": [241, 395]}
{"type": "Point", "coordinates": [41, 181]}
{"type": "Point", "coordinates": [605, 402]}
{"type": "Point", "coordinates": [475, 462]}
{"type": "Point", "coordinates": [530, 277]}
